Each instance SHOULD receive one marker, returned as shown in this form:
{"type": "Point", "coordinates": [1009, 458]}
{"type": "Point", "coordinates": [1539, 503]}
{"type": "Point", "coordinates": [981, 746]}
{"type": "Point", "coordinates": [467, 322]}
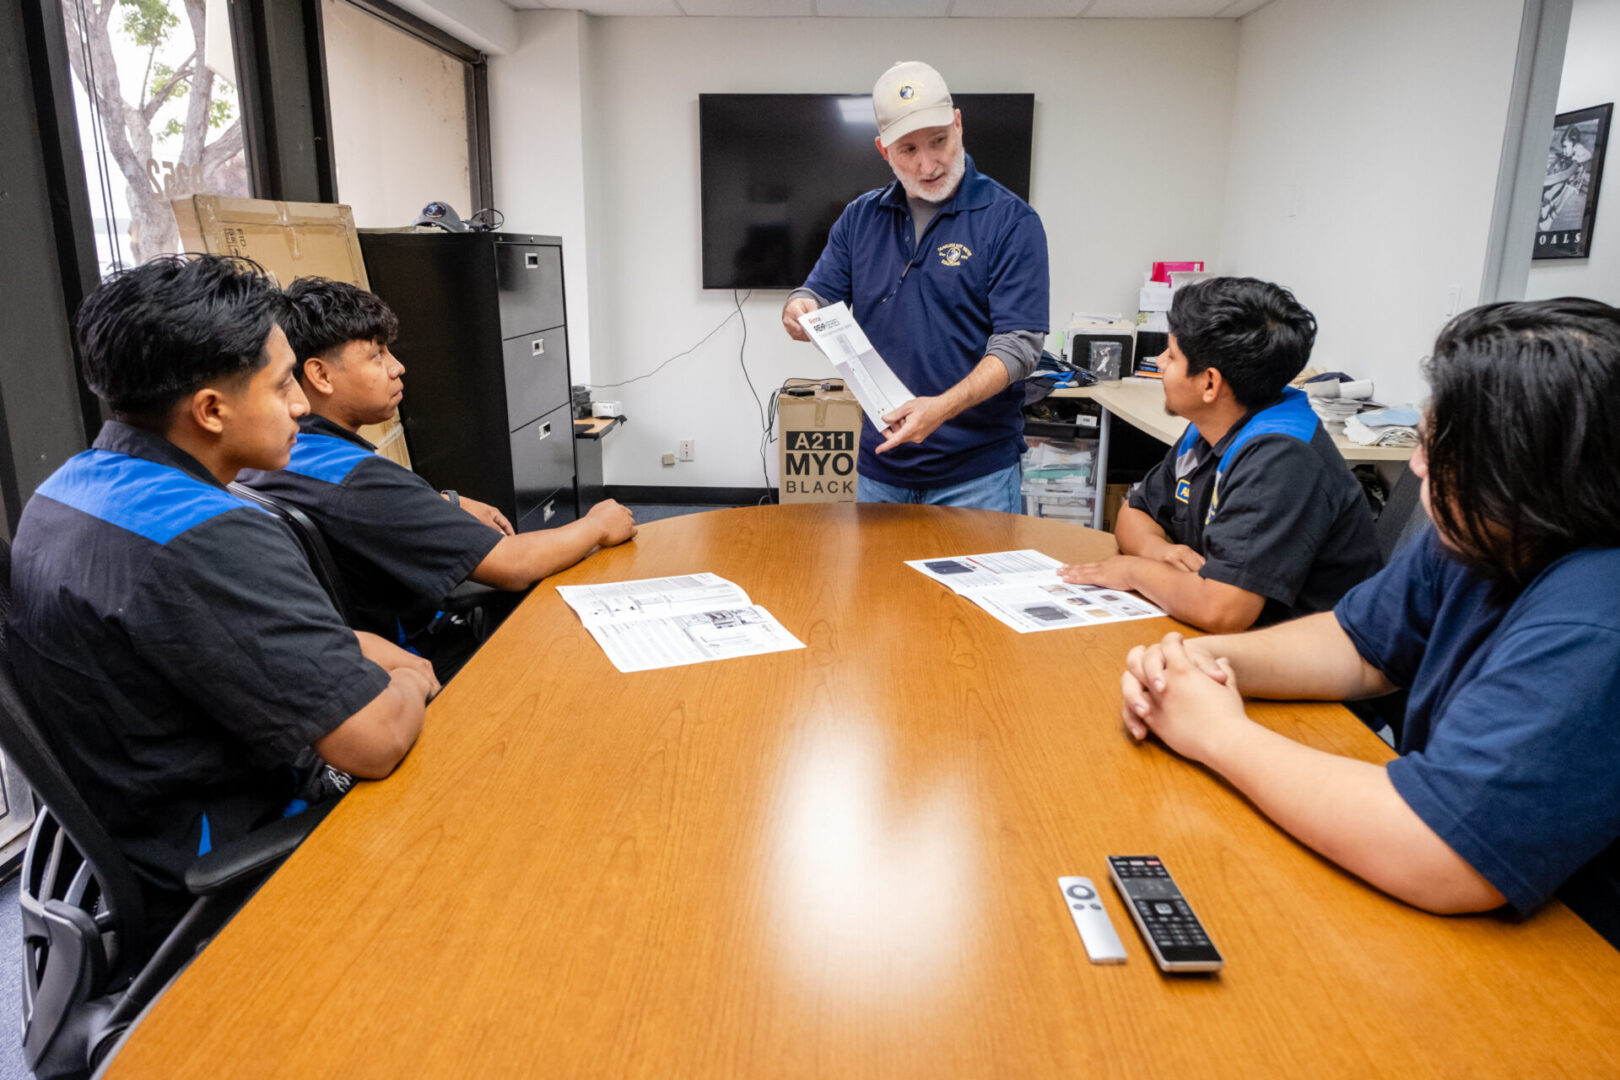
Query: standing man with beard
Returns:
{"type": "Point", "coordinates": [945, 270]}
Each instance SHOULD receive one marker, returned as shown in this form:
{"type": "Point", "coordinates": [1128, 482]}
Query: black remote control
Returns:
{"type": "Point", "coordinates": [1173, 933]}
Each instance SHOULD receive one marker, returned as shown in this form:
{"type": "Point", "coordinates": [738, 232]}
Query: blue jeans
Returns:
{"type": "Point", "coordinates": [998, 491]}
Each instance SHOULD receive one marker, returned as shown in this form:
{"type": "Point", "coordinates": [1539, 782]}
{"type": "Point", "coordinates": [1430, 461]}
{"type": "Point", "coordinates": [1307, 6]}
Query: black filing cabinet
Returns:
{"type": "Point", "coordinates": [485, 348]}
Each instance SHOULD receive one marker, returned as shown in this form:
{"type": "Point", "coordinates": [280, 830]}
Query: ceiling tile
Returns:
{"type": "Point", "coordinates": [917, 9]}
{"type": "Point", "coordinates": [1155, 9]}
{"type": "Point", "coordinates": [1018, 9]}
{"type": "Point", "coordinates": [617, 7]}
{"type": "Point", "coordinates": [1239, 8]}
{"type": "Point", "coordinates": [783, 8]}
{"type": "Point", "coordinates": [884, 8]}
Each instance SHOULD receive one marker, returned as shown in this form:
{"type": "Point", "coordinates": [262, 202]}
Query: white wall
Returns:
{"type": "Point", "coordinates": [1365, 144]}
{"type": "Point", "coordinates": [1591, 77]}
{"type": "Point", "coordinates": [1132, 126]}
{"type": "Point", "coordinates": [537, 137]}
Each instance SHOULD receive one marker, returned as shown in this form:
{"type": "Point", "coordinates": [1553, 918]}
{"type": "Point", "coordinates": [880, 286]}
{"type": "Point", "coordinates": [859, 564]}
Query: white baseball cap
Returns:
{"type": "Point", "coordinates": [909, 96]}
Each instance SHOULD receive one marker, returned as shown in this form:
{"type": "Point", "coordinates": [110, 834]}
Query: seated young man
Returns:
{"type": "Point", "coordinates": [191, 674]}
{"type": "Point", "coordinates": [399, 545]}
{"type": "Point", "coordinates": [1253, 515]}
{"type": "Point", "coordinates": [1502, 623]}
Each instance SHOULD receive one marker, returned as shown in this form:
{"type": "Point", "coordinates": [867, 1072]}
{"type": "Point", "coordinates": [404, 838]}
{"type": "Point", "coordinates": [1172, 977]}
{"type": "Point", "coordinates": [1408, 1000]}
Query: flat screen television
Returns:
{"type": "Point", "coordinates": [778, 169]}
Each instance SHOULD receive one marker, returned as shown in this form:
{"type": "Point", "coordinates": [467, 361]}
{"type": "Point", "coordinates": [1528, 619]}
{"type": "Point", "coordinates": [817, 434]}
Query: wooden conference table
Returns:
{"type": "Point", "coordinates": [840, 861]}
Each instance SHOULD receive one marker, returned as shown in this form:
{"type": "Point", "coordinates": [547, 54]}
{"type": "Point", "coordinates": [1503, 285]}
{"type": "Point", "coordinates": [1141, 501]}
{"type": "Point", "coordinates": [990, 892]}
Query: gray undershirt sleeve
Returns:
{"type": "Point", "coordinates": [1020, 350]}
{"type": "Point", "coordinates": [821, 301]}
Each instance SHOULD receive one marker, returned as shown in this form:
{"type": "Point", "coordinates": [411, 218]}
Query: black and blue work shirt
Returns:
{"type": "Point", "coordinates": [179, 653]}
{"type": "Point", "coordinates": [1272, 507]}
{"type": "Point", "coordinates": [399, 546]}
{"type": "Point", "coordinates": [930, 306]}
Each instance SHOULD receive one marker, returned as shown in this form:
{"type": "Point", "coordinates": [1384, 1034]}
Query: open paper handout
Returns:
{"type": "Point", "coordinates": [836, 334]}
{"type": "Point", "coordinates": [1022, 589]}
{"type": "Point", "coordinates": [667, 622]}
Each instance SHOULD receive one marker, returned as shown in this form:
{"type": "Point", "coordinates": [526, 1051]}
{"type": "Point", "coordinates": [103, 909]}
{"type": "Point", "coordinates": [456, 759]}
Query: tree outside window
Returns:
{"type": "Point", "coordinates": [158, 116]}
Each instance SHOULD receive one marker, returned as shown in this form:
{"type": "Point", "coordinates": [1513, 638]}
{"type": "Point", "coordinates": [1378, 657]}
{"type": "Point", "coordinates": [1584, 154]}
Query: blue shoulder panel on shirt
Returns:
{"type": "Point", "coordinates": [1292, 416]}
{"type": "Point", "coordinates": [1188, 438]}
{"type": "Point", "coordinates": [325, 457]}
{"type": "Point", "coordinates": [144, 497]}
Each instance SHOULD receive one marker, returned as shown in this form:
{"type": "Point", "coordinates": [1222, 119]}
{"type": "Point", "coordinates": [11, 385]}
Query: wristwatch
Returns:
{"type": "Point", "coordinates": [450, 493]}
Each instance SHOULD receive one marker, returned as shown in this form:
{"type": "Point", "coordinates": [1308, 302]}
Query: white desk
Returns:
{"type": "Point", "coordinates": [1140, 403]}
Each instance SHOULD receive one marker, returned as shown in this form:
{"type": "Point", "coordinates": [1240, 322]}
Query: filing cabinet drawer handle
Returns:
{"type": "Point", "coordinates": [549, 511]}
{"type": "Point", "coordinates": [537, 347]}
{"type": "Point", "coordinates": [545, 430]}
{"type": "Point", "coordinates": [531, 260]}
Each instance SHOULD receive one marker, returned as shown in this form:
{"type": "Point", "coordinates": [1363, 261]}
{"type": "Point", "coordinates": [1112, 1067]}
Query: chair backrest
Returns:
{"type": "Point", "coordinates": [1402, 515]}
{"type": "Point", "coordinates": [314, 545]}
{"type": "Point", "coordinates": [82, 907]}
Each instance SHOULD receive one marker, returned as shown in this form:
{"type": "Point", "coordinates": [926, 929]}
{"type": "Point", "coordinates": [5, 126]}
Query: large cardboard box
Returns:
{"type": "Point", "coordinates": [1114, 497]}
{"type": "Point", "coordinates": [291, 240]}
{"type": "Point", "coordinates": [820, 434]}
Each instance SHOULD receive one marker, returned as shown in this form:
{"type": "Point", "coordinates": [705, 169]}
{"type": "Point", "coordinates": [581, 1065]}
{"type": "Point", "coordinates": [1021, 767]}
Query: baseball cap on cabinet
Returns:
{"type": "Point", "coordinates": [909, 96]}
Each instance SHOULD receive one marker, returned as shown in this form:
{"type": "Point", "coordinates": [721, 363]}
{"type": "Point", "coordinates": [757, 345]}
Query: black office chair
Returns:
{"type": "Point", "coordinates": [311, 540]}
{"type": "Point", "coordinates": [90, 960]}
{"type": "Point", "coordinates": [479, 607]}
{"type": "Point", "coordinates": [1402, 516]}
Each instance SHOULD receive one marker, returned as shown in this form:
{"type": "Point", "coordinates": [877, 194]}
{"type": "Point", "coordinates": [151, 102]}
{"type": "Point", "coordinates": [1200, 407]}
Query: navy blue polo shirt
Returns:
{"type": "Point", "coordinates": [1272, 507]}
{"type": "Point", "coordinates": [930, 307]}
{"type": "Point", "coordinates": [1510, 748]}
{"type": "Point", "coordinates": [399, 545]}
{"type": "Point", "coordinates": [181, 656]}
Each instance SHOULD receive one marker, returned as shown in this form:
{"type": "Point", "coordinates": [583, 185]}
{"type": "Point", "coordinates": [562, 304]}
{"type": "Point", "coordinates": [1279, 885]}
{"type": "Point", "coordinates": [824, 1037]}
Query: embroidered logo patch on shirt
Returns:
{"type": "Point", "coordinates": [1183, 490]}
{"type": "Point", "coordinates": [953, 254]}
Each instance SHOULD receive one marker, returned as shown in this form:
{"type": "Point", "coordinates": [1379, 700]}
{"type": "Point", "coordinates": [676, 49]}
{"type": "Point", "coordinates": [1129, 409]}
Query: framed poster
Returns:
{"type": "Point", "coordinates": [1569, 194]}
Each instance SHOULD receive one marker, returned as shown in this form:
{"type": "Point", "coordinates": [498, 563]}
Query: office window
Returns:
{"type": "Point", "coordinates": [399, 113]}
{"type": "Point", "coordinates": [154, 90]}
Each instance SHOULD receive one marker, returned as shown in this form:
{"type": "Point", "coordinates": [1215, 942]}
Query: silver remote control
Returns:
{"type": "Point", "coordinates": [1091, 919]}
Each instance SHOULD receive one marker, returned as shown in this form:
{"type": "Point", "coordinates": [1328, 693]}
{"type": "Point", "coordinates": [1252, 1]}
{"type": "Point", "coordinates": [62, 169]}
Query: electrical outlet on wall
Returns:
{"type": "Point", "coordinates": [688, 449]}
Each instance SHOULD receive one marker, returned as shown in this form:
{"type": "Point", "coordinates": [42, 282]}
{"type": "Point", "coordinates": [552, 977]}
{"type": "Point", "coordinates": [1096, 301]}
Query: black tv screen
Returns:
{"type": "Point", "coordinates": [778, 169]}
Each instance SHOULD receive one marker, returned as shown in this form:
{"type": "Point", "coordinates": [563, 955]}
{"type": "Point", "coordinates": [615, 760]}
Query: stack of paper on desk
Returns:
{"type": "Point", "coordinates": [1337, 401]}
{"type": "Point", "coordinates": [667, 622]}
{"type": "Point", "coordinates": [1394, 426]}
{"type": "Point", "coordinates": [1022, 589]}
